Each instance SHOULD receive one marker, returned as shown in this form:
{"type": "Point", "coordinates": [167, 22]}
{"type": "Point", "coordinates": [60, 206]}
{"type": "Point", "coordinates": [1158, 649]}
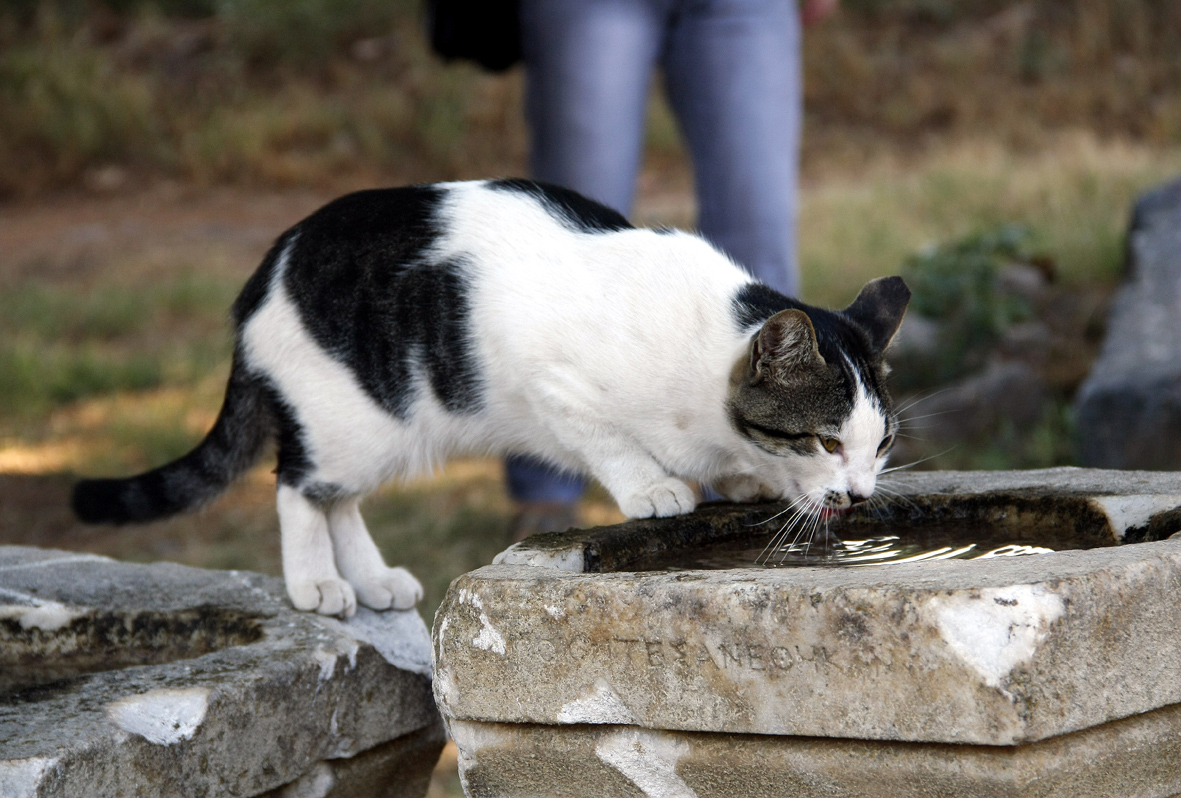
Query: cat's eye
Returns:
{"type": "Point", "coordinates": [829, 444]}
{"type": "Point", "coordinates": [885, 445]}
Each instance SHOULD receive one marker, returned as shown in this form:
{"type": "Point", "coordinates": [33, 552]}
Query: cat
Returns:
{"type": "Point", "coordinates": [396, 328]}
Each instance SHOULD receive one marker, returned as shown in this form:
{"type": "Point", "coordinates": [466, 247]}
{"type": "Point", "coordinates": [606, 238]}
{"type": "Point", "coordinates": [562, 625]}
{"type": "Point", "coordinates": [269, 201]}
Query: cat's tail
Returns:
{"type": "Point", "coordinates": [235, 443]}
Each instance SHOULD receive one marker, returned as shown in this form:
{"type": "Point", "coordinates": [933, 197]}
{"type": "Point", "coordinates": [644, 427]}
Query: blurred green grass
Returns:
{"type": "Point", "coordinates": [64, 343]}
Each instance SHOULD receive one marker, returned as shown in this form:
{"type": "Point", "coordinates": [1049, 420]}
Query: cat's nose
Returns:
{"type": "Point", "coordinates": [857, 498]}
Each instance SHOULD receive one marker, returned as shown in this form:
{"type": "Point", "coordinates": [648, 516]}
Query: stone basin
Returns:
{"type": "Point", "coordinates": [1052, 674]}
{"type": "Point", "coordinates": [118, 679]}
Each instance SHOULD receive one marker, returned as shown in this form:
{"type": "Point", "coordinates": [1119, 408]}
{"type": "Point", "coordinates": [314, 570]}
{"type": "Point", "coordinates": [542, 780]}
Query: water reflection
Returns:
{"type": "Point", "coordinates": [880, 550]}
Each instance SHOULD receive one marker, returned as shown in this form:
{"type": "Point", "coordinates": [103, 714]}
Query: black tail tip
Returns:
{"type": "Point", "coordinates": [96, 501]}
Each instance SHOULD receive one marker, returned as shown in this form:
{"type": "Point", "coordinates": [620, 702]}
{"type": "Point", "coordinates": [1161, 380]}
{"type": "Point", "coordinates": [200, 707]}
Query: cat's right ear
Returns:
{"type": "Point", "coordinates": [879, 309]}
{"type": "Point", "coordinates": [786, 342]}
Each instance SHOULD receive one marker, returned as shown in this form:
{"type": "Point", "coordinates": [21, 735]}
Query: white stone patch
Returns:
{"type": "Point", "coordinates": [489, 638]}
{"type": "Point", "coordinates": [602, 705]}
{"type": "Point", "coordinates": [445, 691]}
{"type": "Point", "coordinates": [327, 660]}
{"type": "Point", "coordinates": [52, 561]}
{"type": "Point", "coordinates": [470, 597]}
{"type": "Point", "coordinates": [648, 759]}
{"type": "Point", "coordinates": [316, 783]}
{"type": "Point", "coordinates": [48, 616]}
{"type": "Point", "coordinates": [400, 636]}
{"type": "Point", "coordinates": [555, 612]}
{"type": "Point", "coordinates": [162, 717]}
{"type": "Point", "coordinates": [21, 778]}
{"type": "Point", "coordinates": [341, 747]}
{"type": "Point", "coordinates": [1126, 512]}
{"type": "Point", "coordinates": [996, 629]}
{"type": "Point", "coordinates": [570, 560]}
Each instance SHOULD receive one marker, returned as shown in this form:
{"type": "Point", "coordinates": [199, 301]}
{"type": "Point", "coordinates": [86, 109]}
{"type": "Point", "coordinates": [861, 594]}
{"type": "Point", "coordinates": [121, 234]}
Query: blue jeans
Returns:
{"type": "Point", "coordinates": [732, 70]}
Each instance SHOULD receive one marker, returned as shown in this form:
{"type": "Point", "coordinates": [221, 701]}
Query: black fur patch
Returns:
{"type": "Point", "coordinates": [255, 290]}
{"type": "Point", "coordinates": [294, 464]}
{"type": "Point", "coordinates": [835, 335]}
{"type": "Point", "coordinates": [579, 213]}
{"type": "Point", "coordinates": [323, 494]}
{"type": "Point", "coordinates": [366, 290]}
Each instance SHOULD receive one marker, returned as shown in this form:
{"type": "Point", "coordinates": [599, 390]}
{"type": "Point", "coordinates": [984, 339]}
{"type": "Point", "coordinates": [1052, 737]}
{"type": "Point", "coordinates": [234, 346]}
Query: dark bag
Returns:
{"type": "Point", "coordinates": [485, 31]}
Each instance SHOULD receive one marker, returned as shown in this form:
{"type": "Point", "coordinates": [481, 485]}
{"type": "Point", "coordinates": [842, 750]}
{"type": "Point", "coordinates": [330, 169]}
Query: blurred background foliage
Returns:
{"type": "Point", "coordinates": [313, 92]}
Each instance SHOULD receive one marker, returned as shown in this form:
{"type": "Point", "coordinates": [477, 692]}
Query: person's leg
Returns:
{"type": "Point", "coordinates": [588, 66]}
{"type": "Point", "coordinates": [733, 75]}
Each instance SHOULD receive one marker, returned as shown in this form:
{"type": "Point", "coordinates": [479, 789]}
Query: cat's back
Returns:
{"type": "Point", "coordinates": [544, 260]}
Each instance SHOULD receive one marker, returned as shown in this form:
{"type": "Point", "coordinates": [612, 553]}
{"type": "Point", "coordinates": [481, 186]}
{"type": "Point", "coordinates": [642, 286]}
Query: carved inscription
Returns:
{"type": "Point", "coordinates": [635, 653]}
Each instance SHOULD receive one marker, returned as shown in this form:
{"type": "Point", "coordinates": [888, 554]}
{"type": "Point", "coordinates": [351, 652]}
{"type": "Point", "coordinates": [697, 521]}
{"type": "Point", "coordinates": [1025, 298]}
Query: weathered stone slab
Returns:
{"type": "Point", "coordinates": [401, 768]}
{"type": "Point", "coordinates": [1139, 756]}
{"type": "Point", "coordinates": [1129, 408]}
{"type": "Point", "coordinates": [997, 652]}
{"type": "Point", "coordinates": [122, 679]}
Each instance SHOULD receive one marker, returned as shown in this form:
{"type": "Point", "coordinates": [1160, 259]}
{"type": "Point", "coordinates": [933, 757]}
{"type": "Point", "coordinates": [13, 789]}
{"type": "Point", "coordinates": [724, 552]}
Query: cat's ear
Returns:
{"type": "Point", "coordinates": [786, 342]}
{"type": "Point", "coordinates": [879, 309]}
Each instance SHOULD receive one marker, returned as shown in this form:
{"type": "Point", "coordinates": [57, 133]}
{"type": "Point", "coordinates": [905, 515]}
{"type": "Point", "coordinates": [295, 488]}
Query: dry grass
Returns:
{"type": "Point", "coordinates": [1075, 195]}
{"type": "Point", "coordinates": [313, 93]}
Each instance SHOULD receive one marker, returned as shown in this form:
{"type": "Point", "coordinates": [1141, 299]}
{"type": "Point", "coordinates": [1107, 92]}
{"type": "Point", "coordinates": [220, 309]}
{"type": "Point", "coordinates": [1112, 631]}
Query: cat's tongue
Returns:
{"type": "Point", "coordinates": [833, 512]}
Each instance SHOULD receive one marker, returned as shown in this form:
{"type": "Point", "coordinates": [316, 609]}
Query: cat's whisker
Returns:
{"type": "Point", "coordinates": [785, 529]}
{"type": "Point", "coordinates": [919, 399]}
{"type": "Point", "coordinates": [916, 462]}
{"type": "Point", "coordinates": [810, 527]}
{"type": "Point", "coordinates": [904, 422]}
{"type": "Point", "coordinates": [801, 518]}
{"type": "Point", "coordinates": [798, 519]}
{"type": "Point", "coordinates": [899, 497]}
{"type": "Point", "coordinates": [781, 512]}
{"type": "Point", "coordinates": [779, 533]}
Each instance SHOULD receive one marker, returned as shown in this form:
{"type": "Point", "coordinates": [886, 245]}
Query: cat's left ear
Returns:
{"type": "Point", "coordinates": [879, 309]}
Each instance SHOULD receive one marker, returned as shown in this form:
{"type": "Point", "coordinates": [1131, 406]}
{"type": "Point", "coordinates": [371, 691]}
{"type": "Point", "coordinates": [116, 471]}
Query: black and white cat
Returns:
{"type": "Point", "coordinates": [394, 329]}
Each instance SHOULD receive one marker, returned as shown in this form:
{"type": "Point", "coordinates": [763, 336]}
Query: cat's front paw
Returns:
{"type": "Point", "coordinates": [745, 488]}
{"type": "Point", "coordinates": [667, 497]}
{"type": "Point", "coordinates": [329, 596]}
{"type": "Point", "coordinates": [388, 589]}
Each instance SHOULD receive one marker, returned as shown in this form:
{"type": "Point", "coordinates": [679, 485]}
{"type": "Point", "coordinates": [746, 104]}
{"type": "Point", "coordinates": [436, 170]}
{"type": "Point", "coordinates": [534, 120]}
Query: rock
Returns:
{"type": "Point", "coordinates": [119, 679]}
{"type": "Point", "coordinates": [1008, 391]}
{"type": "Point", "coordinates": [1129, 407]}
{"type": "Point", "coordinates": [1137, 756]}
{"type": "Point", "coordinates": [575, 665]}
{"type": "Point", "coordinates": [918, 335]}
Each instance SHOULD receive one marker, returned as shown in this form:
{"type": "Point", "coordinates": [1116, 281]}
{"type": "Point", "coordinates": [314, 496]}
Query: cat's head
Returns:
{"type": "Point", "coordinates": [810, 398]}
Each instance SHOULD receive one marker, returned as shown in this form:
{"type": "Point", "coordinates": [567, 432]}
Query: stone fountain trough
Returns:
{"type": "Point", "coordinates": [118, 679]}
{"type": "Point", "coordinates": [575, 666]}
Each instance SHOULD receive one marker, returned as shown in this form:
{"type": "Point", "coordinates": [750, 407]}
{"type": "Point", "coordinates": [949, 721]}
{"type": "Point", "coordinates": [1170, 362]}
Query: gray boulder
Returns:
{"type": "Point", "coordinates": [1129, 408]}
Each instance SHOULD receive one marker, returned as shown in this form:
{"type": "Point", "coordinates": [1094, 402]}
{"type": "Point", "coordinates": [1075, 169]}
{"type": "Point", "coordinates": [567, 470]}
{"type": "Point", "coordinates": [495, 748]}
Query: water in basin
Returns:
{"type": "Point", "coordinates": [867, 546]}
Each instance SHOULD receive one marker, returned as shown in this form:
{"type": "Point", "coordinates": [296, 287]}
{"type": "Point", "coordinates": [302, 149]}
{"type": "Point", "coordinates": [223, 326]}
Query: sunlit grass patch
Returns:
{"type": "Point", "coordinates": [61, 344]}
{"type": "Point", "coordinates": [1075, 197]}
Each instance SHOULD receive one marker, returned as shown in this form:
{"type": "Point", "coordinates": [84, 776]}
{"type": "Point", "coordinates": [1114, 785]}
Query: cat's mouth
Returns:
{"type": "Point", "coordinates": [833, 512]}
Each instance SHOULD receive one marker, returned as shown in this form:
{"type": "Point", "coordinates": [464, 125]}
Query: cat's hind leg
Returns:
{"type": "Point", "coordinates": [377, 586]}
{"type": "Point", "coordinates": [309, 568]}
